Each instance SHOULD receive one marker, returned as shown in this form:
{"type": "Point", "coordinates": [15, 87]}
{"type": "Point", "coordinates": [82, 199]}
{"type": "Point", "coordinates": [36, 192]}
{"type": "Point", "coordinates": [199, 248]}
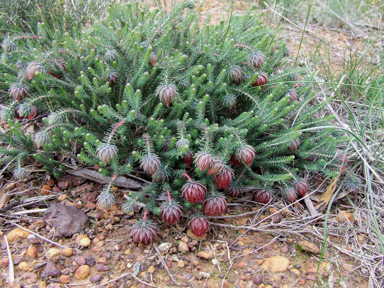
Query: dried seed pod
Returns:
{"type": "Point", "coordinates": [143, 231]}
{"type": "Point", "coordinates": [261, 80]}
{"type": "Point", "coordinates": [235, 74]}
{"type": "Point", "coordinates": [203, 160]}
{"type": "Point", "coordinates": [110, 55]}
{"type": "Point", "coordinates": [194, 191]}
{"type": "Point", "coordinates": [34, 67]}
{"type": "Point", "coordinates": [223, 179]}
{"type": "Point", "coordinates": [106, 152]}
{"type": "Point", "coordinates": [217, 167]}
{"type": "Point", "coordinates": [246, 154]}
{"type": "Point", "coordinates": [256, 59]}
{"type": "Point", "coordinates": [294, 145]}
{"type": "Point", "coordinates": [234, 189]}
{"type": "Point", "coordinates": [166, 93]}
{"type": "Point", "coordinates": [20, 173]}
{"type": "Point", "coordinates": [301, 187]}
{"type": "Point", "coordinates": [112, 78]}
{"type": "Point", "coordinates": [263, 196]}
{"type": "Point", "coordinates": [292, 95]}
{"type": "Point", "coordinates": [188, 158]}
{"type": "Point", "coordinates": [214, 204]}
{"type": "Point", "coordinates": [150, 163]}
{"type": "Point", "coordinates": [290, 194]}
{"type": "Point", "coordinates": [18, 91]}
{"type": "Point", "coordinates": [199, 225]}
{"type": "Point", "coordinates": [152, 59]}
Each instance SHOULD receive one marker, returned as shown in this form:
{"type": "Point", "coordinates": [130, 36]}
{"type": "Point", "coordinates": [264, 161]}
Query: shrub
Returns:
{"type": "Point", "coordinates": [201, 110]}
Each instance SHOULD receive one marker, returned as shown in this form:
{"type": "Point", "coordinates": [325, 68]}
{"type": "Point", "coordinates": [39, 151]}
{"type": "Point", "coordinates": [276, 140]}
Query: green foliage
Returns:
{"type": "Point", "coordinates": [107, 101]}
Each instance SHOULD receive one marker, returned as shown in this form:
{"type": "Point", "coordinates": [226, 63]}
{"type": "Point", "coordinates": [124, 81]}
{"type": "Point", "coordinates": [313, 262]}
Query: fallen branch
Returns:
{"type": "Point", "coordinates": [98, 178]}
{"type": "Point", "coordinates": [10, 263]}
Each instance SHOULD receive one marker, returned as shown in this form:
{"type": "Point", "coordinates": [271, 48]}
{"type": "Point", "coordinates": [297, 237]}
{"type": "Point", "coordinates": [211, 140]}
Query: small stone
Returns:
{"type": "Point", "coordinates": [183, 247]}
{"type": "Point", "coordinates": [109, 227]}
{"type": "Point", "coordinates": [4, 262]}
{"type": "Point", "coordinates": [46, 190]}
{"type": "Point", "coordinates": [43, 284]}
{"type": "Point", "coordinates": [53, 253]}
{"type": "Point", "coordinates": [80, 260]}
{"type": "Point", "coordinates": [64, 279]}
{"type": "Point", "coordinates": [63, 185]}
{"type": "Point", "coordinates": [83, 240]}
{"type": "Point", "coordinates": [62, 198]}
{"type": "Point", "coordinates": [127, 252]}
{"type": "Point", "coordinates": [169, 264]}
{"type": "Point", "coordinates": [276, 264]}
{"type": "Point", "coordinates": [180, 263]}
{"type": "Point", "coordinates": [151, 269]}
{"type": "Point", "coordinates": [101, 267]}
{"type": "Point", "coordinates": [360, 238]}
{"type": "Point", "coordinates": [205, 255]}
{"type": "Point", "coordinates": [195, 262]}
{"type": "Point", "coordinates": [258, 279]}
{"type": "Point", "coordinates": [17, 234]}
{"type": "Point", "coordinates": [204, 275]}
{"type": "Point", "coordinates": [302, 282]}
{"type": "Point", "coordinates": [96, 278]}
{"type": "Point", "coordinates": [67, 252]}
{"type": "Point", "coordinates": [285, 248]}
{"type": "Point", "coordinates": [90, 261]}
{"type": "Point", "coordinates": [82, 272]}
{"type": "Point", "coordinates": [32, 252]}
{"type": "Point", "coordinates": [185, 239]}
{"type": "Point", "coordinates": [241, 265]}
{"type": "Point", "coordinates": [345, 216]}
{"type": "Point", "coordinates": [50, 270]}
{"type": "Point", "coordinates": [10, 186]}
{"type": "Point", "coordinates": [102, 260]}
{"type": "Point", "coordinates": [311, 277]}
{"type": "Point", "coordinates": [295, 272]}
{"type": "Point", "coordinates": [28, 279]}
{"type": "Point", "coordinates": [309, 246]}
{"type": "Point", "coordinates": [23, 266]}
{"type": "Point", "coordinates": [226, 284]}
{"type": "Point", "coordinates": [33, 239]}
{"type": "Point", "coordinates": [56, 189]}
{"type": "Point", "coordinates": [18, 260]}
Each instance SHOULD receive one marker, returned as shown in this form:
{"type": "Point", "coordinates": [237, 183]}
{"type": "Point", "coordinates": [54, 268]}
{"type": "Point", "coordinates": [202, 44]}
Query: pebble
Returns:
{"type": "Point", "coordinates": [185, 239]}
{"type": "Point", "coordinates": [50, 270]}
{"type": "Point", "coordinates": [90, 261]}
{"type": "Point", "coordinates": [295, 272]}
{"type": "Point", "coordinates": [309, 246]}
{"type": "Point", "coordinates": [102, 260]}
{"type": "Point", "coordinates": [18, 260]}
{"type": "Point", "coordinates": [96, 278]}
{"type": "Point", "coordinates": [169, 264]}
{"type": "Point", "coordinates": [83, 240]}
{"type": "Point", "coordinates": [53, 253]}
{"type": "Point", "coordinates": [109, 227]}
{"type": "Point", "coordinates": [82, 272]}
{"type": "Point", "coordinates": [183, 247]}
{"type": "Point", "coordinates": [302, 282]}
{"type": "Point", "coordinates": [33, 239]}
{"type": "Point", "coordinates": [151, 269]}
{"type": "Point", "coordinates": [80, 260]}
{"type": "Point", "coordinates": [45, 190]}
{"type": "Point", "coordinates": [258, 279]}
{"type": "Point", "coordinates": [276, 264]}
{"type": "Point", "coordinates": [205, 255]}
{"type": "Point", "coordinates": [62, 198]}
{"type": "Point", "coordinates": [101, 267]}
{"type": "Point", "coordinates": [23, 266]}
{"type": "Point", "coordinates": [180, 264]}
{"type": "Point", "coordinates": [64, 279]}
{"type": "Point", "coordinates": [67, 252]}
{"type": "Point", "coordinates": [17, 234]}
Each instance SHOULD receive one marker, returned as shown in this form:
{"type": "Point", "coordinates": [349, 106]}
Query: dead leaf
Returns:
{"type": "Point", "coordinates": [326, 197]}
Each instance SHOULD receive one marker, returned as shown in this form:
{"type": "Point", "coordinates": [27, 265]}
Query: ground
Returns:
{"type": "Point", "coordinates": [266, 246]}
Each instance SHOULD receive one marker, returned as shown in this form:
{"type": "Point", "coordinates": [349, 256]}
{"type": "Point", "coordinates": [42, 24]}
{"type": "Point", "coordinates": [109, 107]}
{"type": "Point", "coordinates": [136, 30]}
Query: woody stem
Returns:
{"type": "Point", "coordinates": [145, 215]}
